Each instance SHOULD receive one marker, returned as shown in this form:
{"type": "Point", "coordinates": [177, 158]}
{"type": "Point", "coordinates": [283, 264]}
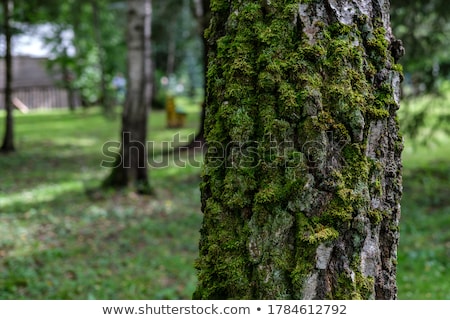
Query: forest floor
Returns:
{"type": "Point", "coordinates": [58, 241]}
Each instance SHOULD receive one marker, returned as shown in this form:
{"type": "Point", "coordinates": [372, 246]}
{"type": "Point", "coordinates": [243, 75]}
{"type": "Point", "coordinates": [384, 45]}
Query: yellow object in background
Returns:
{"type": "Point", "coordinates": [175, 118]}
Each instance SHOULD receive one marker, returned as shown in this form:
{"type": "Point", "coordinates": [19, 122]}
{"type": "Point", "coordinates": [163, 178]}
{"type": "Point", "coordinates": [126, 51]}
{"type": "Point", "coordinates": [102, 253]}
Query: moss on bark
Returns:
{"type": "Point", "coordinates": [300, 112]}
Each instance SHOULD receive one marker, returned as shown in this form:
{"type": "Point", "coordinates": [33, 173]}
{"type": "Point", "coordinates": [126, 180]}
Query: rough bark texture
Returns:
{"type": "Point", "coordinates": [8, 138]}
{"type": "Point", "coordinates": [131, 165]}
{"type": "Point", "coordinates": [67, 80]}
{"type": "Point", "coordinates": [302, 182]}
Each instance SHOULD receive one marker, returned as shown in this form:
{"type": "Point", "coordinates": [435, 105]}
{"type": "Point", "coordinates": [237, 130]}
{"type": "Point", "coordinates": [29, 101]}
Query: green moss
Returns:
{"type": "Point", "coordinates": [378, 187]}
{"type": "Point", "coordinates": [241, 125]}
{"type": "Point", "coordinates": [375, 216]}
{"type": "Point", "coordinates": [268, 194]}
{"type": "Point", "coordinates": [377, 113]}
{"type": "Point", "coordinates": [338, 211]}
{"type": "Point", "coordinates": [322, 234]}
{"type": "Point", "coordinates": [394, 227]}
{"type": "Point", "coordinates": [377, 47]}
{"type": "Point", "coordinates": [338, 29]}
{"type": "Point", "coordinates": [361, 288]}
{"type": "Point", "coordinates": [251, 12]}
{"type": "Point", "coordinates": [288, 94]}
{"type": "Point", "coordinates": [312, 53]}
{"type": "Point", "coordinates": [304, 255]}
{"type": "Point", "coordinates": [218, 5]}
{"type": "Point", "coordinates": [354, 285]}
{"type": "Point", "coordinates": [223, 267]}
{"type": "Point", "coordinates": [357, 166]}
{"type": "Point", "coordinates": [399, 145]}
{"type": "Point", "coordinates": [377, 42]}
{"type": "Point", "coordinates": [398, 67]}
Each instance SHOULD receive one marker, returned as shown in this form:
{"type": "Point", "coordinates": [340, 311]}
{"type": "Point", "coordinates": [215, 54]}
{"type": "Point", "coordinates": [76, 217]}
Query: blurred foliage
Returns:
{"type": "Point", "coordinates": [424, 28]}
{"type": "Point", "coordinates": [98, 49]}
{"type": "Point", "coordinates": [176, 36]}
{"type": "Point", "coordinates": [79, 51]}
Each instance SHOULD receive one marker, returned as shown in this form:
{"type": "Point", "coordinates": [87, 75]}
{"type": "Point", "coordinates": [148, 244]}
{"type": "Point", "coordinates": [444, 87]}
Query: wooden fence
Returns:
{"type": "Point", "coordinates": [42, 98]}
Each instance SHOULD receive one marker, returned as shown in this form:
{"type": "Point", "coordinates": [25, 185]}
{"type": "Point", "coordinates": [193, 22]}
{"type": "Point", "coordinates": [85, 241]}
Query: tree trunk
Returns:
{"type": "Point", "coordinates": [67, 80]}
{"type": "Point", "coordinates": [131, 164]}
{"type": "Point", "coordinates": [201, 11]}
{"type": "Point", "coordinates": [8, 139]}
{"type": "Point", "coordinates": [171, 51]}
{"type": "Point", "coordinates": [301, 184]}
{"type": "Point", "coordinates": [105, 99]}
{"type": "Point", "coordinates": [203, 15]}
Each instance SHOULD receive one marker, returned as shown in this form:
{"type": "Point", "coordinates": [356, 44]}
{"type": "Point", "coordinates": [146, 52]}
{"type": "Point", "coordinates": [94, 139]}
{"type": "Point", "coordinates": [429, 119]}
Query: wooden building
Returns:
{"type": "Point", "coordinates": [34, 86]}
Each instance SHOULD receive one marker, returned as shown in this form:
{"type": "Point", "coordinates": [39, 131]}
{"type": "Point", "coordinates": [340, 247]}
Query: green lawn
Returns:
{"type": "Point", "coordinates": [424, 251]}
{"type": "Point", "coordinates": [56, 242]}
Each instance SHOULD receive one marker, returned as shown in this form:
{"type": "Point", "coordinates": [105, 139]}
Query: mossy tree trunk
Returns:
{"type": "Point", "coordinates": [131, 164]}
{"type": "Point", "coordinates": [8, 138]}
{"type": "Point", "coordinates": [301, 184]}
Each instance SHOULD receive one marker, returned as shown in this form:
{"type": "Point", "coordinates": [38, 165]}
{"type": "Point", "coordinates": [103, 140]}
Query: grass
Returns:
{"type": "Point", "coordinates": [424, 250]}
{"type": "Point", "coordinates": [58, 243]}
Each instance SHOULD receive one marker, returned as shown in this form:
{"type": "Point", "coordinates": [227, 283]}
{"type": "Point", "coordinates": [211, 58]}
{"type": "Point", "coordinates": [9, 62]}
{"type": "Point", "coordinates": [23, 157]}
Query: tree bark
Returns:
{"type": "Point", "coordinates": [131, 164]}
{"type": "Point", "coordinates": [67, 80]}
{"type": "Point", "coordinates": [301, 184]}
{"type": "Point", "coordinates": [8, 138]}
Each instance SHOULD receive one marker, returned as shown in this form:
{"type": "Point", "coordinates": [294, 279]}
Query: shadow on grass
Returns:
{"type": "Point", "coordinates": [122, 247]}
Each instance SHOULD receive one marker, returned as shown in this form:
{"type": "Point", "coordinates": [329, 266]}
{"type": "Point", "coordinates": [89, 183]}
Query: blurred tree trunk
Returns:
{"type": "Point", "coordinates": [301, 184]}
{"type": "Point", "coordinates": [8, 139]}
{"type": "Point", "coordinates": [203, 15]}
{"type": "Point", "coordinates": [105, 98]}
{"type": "Point", "coordinates": [67, 80]}
{"type": "Point", "coordinates": [131, 164]}
{"type": "Point", "coordinates": [171, 51]}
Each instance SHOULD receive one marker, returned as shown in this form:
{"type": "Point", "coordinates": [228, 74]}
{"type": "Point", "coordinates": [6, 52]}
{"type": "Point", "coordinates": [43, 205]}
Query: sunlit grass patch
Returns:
{"type": "Point", "coordinates": [57, 242]}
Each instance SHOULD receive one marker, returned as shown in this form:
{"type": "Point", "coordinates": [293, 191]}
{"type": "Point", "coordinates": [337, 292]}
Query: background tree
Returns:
{"type": "Point", "coordinates": [131, 164]}
{"type": "Point", "coordinates": [202, 13]}
{"type": "Point", "coordinates": [8, 138]}
{"type": "Point", "coordinates": [105, 97]}
{"type": "Point", "coordinates": [302, 178]}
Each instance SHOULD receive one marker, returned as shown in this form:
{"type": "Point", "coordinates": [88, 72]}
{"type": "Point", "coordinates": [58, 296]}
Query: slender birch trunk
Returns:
{"type": "Point", "coordinates": [131, 164]}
